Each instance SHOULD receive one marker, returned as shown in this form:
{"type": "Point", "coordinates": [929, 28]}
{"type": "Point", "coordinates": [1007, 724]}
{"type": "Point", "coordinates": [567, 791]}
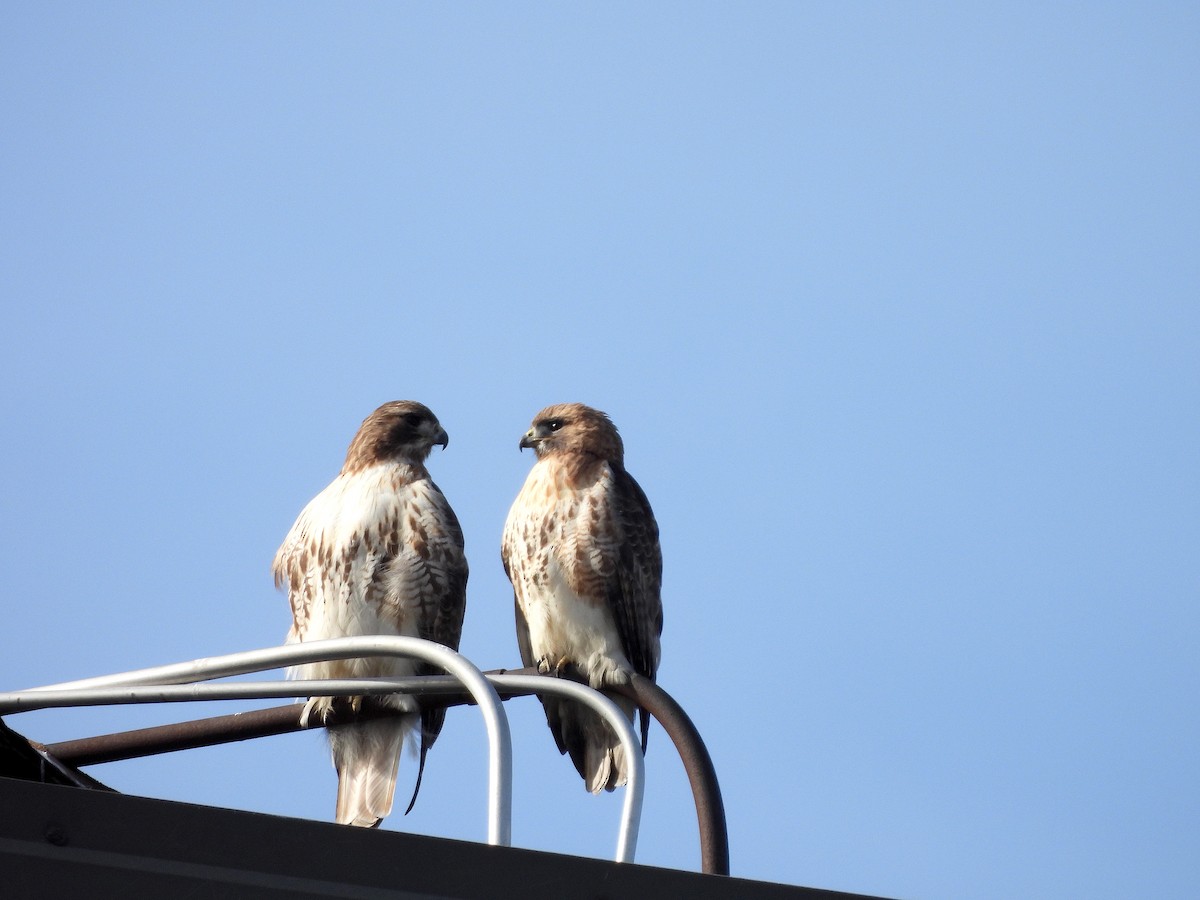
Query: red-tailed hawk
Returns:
{"type": "Point", "coordinates": [581, 549]}
{"type": "Point", "coordinates": [379, 551]}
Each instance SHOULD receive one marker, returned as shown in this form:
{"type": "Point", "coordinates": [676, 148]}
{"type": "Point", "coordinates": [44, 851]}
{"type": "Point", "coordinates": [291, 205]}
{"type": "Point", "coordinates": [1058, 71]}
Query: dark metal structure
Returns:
{"type": "Point", "coordinates": [58, 842]}
{"type": "Point", "coordinates": [64, 834]}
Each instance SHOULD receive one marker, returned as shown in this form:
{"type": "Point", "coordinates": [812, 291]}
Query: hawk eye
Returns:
{"type": "Point", "coordinates": [412, 419]}
{"type": "Point", "coordinates": [554, 424]}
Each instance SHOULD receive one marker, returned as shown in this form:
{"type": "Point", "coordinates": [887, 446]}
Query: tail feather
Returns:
{"type": "Point", "coordinates": [367, 756]}
{"type": "Point", "coordinates": [593, 746]}
{"type": "Point", "coordinates": [432, 721]}
{"type": "Point", "coordinates": [420, 772]}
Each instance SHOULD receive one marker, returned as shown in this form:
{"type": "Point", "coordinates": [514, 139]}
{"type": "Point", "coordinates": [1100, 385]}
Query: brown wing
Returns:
{"type": "Point", "coordinates": [615, 559]}
{"type": "Point", "coordinates": [618, 560]}
{"type": "Point", "coordinates": [635, 591]}
{"type": "Point", "coordinates": [442, 612]}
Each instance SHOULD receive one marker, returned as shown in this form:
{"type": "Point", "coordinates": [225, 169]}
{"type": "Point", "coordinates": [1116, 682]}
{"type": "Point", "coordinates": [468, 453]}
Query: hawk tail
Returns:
{"type": "Point", "coordinates": [367, 756]}
{"type": "Point", "coordinates": [593, 746]}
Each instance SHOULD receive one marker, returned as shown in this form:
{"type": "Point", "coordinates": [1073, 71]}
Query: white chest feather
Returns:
{"type": "Point", "coordinates": [542, 539]}
{"type": "Point", "coordinates": [351, 566]}
{"type": "Point", "coordinates": [562, 625]}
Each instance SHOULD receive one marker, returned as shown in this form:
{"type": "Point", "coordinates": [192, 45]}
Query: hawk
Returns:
{"type": "Point", "coordinates": [581, 549]}
{"type": "Point", "coordinates": [378, 552]}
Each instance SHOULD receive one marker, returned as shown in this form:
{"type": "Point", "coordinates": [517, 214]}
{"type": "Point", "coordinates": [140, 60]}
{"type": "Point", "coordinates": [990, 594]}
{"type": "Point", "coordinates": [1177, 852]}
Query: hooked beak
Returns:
{"type": "Point", "coordinates": [441, 438]}
{"type": "Point", "coordinates": [531, 439]}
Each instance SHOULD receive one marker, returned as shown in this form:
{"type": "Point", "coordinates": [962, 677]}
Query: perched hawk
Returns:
{"type": "Point", "coordinates": [378, 552]}
{"type": "Point", "coordinates": [581, 549]}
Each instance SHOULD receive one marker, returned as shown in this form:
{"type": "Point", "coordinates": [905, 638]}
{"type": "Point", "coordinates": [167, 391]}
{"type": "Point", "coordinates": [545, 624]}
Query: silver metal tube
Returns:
{"type": "Point", "coordinates": [631, 813]}
{"type": "Point", "coordinates": [238, 690]}
{"type": "Point", "coordinates": [175, 683]}
{"type": "Point", "coordinates": [494, 717]}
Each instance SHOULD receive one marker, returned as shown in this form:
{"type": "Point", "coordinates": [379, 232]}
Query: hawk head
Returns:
{"type": "Point", "coordinates": [401, 430]}
{"type": "Point", "coordinates": [574, 428]}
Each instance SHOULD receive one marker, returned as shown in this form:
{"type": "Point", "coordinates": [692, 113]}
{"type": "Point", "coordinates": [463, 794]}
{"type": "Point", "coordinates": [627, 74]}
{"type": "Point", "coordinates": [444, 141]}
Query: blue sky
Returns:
{"type": "Point", "coordinates": [896, 306]}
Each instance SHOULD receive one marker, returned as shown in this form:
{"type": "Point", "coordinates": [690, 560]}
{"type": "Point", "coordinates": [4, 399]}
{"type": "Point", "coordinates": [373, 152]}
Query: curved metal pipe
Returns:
{"type": "Point", "coordinates": [631, 813]}
{"type": "Point", "coordinates": [706, 790]}
{"type": "Point", "coordinates": [702, 774]}
{"type": "Point", "coordinates": [512, 684]}
{"type": "Point", "coordinates": [495, 719]}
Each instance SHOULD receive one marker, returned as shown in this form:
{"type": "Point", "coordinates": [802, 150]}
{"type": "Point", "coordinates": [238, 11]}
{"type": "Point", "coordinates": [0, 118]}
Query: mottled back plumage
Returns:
{"type": "Point", "coordinates": [581, 549]}
{"type": "Point", "coordinates": [378, 552]}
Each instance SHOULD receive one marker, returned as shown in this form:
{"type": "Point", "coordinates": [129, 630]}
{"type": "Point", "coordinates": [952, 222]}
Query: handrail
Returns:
{"type": "Point", "coordinates": [495, 719]}
{"type": "Point", "coordinates": [697, 763]}
{"type": "Point", "coordinates": [43, 698]}
{"type": "Point", "coordinates": [631, 812]}
{"type": "Point", "coordinates": [701, 773]}
{"type": "Point", "coordinates": [433, 691]}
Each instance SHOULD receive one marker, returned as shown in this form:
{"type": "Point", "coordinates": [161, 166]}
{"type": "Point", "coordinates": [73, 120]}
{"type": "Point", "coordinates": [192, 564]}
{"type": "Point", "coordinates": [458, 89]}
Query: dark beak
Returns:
{"type": "Point", "coordinates": [442, 439]}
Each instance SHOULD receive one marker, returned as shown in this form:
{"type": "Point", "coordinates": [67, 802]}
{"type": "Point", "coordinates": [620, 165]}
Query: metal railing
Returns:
{"type": "Point", "coordinates": [180, 682]}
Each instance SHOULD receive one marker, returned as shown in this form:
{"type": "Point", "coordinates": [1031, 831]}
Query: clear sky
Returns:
{"type": "Point", "coordinates": [897, 307]}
